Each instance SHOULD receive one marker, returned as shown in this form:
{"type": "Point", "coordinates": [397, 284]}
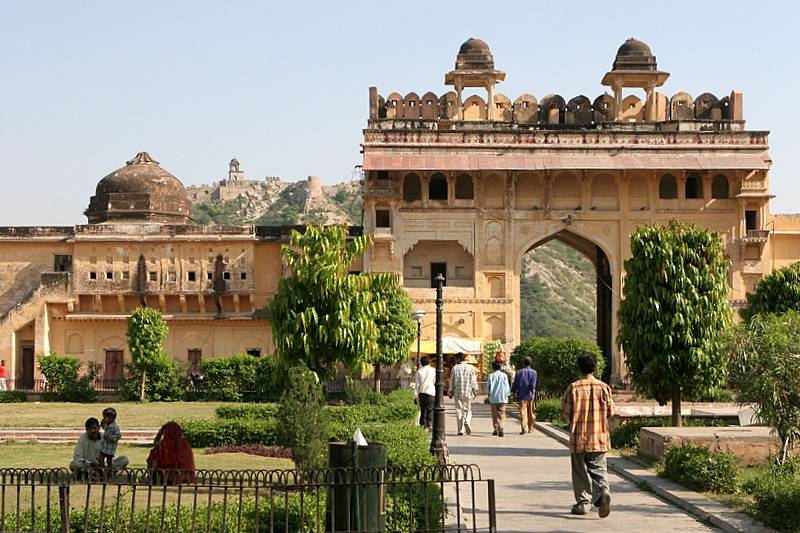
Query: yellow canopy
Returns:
{"type": "Point", "coordinates": [451, 345]}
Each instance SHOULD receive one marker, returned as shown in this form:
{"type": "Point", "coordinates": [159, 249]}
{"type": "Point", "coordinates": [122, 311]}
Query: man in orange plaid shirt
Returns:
{"type": "Point", "coordinates": [587, 405]}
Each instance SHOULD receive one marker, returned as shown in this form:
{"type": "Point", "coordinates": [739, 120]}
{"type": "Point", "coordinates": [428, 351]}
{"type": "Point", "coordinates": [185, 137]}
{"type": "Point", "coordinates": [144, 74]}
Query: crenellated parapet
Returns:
{"type": "Point", "coordinates": [554, 109]}
{"type": "Point", "coordinates": [634, 67]}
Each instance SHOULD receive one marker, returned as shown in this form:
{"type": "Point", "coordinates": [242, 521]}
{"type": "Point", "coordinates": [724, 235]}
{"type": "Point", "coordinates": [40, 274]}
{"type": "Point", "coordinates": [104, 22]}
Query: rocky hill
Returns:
{"type": "Point", "coordinates": [557, 286]}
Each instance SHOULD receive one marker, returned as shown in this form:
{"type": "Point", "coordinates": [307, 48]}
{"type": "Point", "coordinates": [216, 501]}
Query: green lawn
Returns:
{"type": "Point", "coordinates": [24, 455]}
{"type": "Point", "coordinates": [129, 414]}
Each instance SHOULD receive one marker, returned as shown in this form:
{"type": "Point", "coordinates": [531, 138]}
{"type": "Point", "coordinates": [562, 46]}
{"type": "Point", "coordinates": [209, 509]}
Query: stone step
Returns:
{"type": "Point", "coordinates": [71, 435]}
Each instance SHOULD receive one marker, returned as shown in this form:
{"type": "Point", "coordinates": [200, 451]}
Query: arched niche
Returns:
{"type": "Point", "coordinates": [464, 187]}
{"type": "Point", "coordinates": [668, 187]}
{"type": "Point", "coordinates": [529, 191]}
{"type": "Point", "coordinates": [437, 187]}
{"type": "Point", "coordinates": [420, 262]}
{"type": "Point", "coordinates": [637, 193]}
{"type": "Point", "coordinates": [412, 188]}
{"type": "Point", "coordinates": [720, 187]}
{"type": "Point", "coordinates": [494, 191]}
{"type": "Point", "coordinates": [566, 192]}
{"type": "Point", "coordinates": [604, 193]}
{"type": "Point", "coordinates": [693, 187]}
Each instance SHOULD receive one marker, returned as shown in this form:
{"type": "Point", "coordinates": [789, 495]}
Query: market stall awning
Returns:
{"type": "Point", "coordinates": [451, 345]}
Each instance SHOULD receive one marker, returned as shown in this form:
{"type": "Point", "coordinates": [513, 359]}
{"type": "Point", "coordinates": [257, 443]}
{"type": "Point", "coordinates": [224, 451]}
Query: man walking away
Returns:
{"type": "Point", "coordinates": [425, 391]}
{"type": "Point", "coordinates": [497, 385]}
{"type": "Point", "coordinates": [463, 387]}
{"type": "Point", "coordinates": [587, 405]}
{"type": "Point", "coordinates": [525, 388]}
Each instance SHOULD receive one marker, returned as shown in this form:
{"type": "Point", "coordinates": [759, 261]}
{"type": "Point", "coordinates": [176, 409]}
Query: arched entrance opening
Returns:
{"type": "Point", "coordinates": [557, 276]}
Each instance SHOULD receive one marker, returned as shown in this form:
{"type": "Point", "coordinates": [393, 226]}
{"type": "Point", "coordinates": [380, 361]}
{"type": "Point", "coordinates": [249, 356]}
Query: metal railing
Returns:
{"type": "Point", "coordinates": [39, 386]}
{"type": "Point", "coordinates": [451, 498]}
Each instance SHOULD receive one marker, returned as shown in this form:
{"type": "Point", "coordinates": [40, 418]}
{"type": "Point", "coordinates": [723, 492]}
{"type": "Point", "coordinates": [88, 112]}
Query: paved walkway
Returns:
{"type": "Point", "coordinates": [534, 491]}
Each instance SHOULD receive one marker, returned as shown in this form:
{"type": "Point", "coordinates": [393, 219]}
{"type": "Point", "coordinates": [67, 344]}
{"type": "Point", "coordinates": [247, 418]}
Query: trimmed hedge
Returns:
{"type": "Point", "coordinates": [263, 410]}
{"type": "Point", "coordinates": [697, 468]}
{"type": "Point", "coordinates": [230, 432]}
{"type": "Point", "coordinates": [12, 396]}
{"type": "Point", "coordinates": [555, 361]}
{"type": "Point", "coordinates": [242, 378]}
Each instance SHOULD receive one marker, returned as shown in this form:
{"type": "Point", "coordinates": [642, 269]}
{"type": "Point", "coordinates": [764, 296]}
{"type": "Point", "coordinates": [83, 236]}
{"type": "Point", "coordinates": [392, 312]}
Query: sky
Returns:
{"type": "Point", "coordinates": [283, 86]}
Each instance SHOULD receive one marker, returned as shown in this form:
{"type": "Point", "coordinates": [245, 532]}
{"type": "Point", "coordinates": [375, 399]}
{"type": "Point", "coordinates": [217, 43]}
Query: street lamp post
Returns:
{"type": "Point", "coordinates": [438, 444]}
{"type": "Point", "coordinates": [418, 315]}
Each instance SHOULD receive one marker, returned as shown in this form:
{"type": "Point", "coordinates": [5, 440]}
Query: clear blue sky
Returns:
{"type": "Point", "coordinates": [283, 85]}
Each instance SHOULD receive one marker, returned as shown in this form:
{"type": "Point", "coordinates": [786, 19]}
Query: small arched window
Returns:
{"type": "Point", "coordinates": [464, 190]}
{"type": "Point", "coordinates": [438, 187]}
{"type": "Point", "coordinates": [694, 186]}
{"type": "Point", "coordinates": [668, 187]}
{"type": "Point", "coordinates": [720, 187]}
{"type": "Point", "coordinates": [412, 188]}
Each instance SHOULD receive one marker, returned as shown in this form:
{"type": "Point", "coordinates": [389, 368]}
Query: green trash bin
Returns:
{"type": "Point", "coordinates": [356, 501]}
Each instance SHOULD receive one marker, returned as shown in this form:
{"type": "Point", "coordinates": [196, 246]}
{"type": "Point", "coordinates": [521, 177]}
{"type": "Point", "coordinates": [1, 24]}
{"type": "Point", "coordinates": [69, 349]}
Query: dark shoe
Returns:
{"type": "Point", "coordinates": [469, 429]}
{"type": "Point", "coordinates": [521, 432]}
{"type": "Point", "coordinates": [460, 434]}
{"type": "Point", "coordinates": [604, 504]}
{"type": "Point", "coordinates": [580, 509]}
{"type": "Point", "coordinates": [494, 432]}
{"type": "Point", "coordinates": [500, 434]}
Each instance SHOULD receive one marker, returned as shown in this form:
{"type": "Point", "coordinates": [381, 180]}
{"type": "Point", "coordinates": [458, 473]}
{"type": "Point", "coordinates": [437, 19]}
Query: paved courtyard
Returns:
{"type": "Point", "coordinates": [533, 489]}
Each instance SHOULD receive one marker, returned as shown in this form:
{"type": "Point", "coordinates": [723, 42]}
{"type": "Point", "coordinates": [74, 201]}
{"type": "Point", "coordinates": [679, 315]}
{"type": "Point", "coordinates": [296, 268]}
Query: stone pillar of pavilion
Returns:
{"type": "Point", "coordinates": [635, 66]}
{"type": "Point", "coordinates": [475, 68]}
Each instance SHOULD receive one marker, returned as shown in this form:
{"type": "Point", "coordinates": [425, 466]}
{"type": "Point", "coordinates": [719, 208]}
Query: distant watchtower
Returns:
{"type": "Point", "coordinates": [234, 173]}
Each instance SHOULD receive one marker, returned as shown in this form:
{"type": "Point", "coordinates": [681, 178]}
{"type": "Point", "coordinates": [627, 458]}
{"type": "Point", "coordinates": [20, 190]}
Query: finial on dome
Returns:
{"type": "Point", "coordinates": [142, 158]}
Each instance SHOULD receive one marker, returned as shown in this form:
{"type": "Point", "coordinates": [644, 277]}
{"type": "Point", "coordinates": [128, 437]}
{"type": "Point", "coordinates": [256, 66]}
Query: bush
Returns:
{"type": "Point", "coordinates": [776, 498]}
{"type": "Point", "coordinates": [165, 381]}
{"type": "Point", "coordinates": [242, 378]}
{"type": "Point", "coordinates": [357, 392]}
{"type": "Point", "coordinates": [549, 410]}
{"type": "Point", "coordinates": [63, 380]}
{"type": "Point", "coordinates": [230, 432]}
{"type": "Point", "coordinates": [12, 396]}
{"type": "Point", "coordinates": [301, 419]}
{"type": "Point", "coordinates": [700, 469]}
{"type": "Point", "coordinates": [555, 361]}
{"type": "Point", "coordinates": [247, 411]}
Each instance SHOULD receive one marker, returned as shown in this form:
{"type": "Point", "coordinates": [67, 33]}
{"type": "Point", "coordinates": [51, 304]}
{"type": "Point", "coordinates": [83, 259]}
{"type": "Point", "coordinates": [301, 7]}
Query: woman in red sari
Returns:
{"type": "Point", "coordinates": [172, 452]}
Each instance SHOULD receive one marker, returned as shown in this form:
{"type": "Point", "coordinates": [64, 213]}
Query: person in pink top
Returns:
{"type": "Point", "coordinates": [3, 375]}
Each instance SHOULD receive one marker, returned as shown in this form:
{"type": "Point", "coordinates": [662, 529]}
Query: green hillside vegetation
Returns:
{"type": "Point", "coordinates": [557, 288]}
{"type": "Point", "coordinates": [558, 293]}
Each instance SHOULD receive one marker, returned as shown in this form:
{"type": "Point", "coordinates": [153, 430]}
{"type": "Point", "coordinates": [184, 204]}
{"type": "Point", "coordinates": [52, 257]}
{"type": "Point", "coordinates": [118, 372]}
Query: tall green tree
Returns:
{"type": "Point", "coordinates": [766, 369]}
{"type": "Point", "coordinates": [674, 311]}
{"type": "Point", "coordinates": [396, 329]}
{"type": "Point", "coordinates": [776, 292]}
{"type": "Point", "coordinates": [146, 333]}
{"type": "Point", "coordinates": [322, 315]}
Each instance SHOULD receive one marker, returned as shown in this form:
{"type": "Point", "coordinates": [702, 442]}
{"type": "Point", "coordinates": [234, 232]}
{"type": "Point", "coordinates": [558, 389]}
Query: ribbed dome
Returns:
{"type": "Point", "coordinates": [634, 55]}
{"type": "Point", "coordinates": [474, 54]}
{"type": "Point", "coordinates": [473, 45]}
{"type": "Point", "coordinates": [141, 191]}
{"type": "Point", "coordinates": [141, 174]}
{"type": "Point", "coordinates": [634, 47]}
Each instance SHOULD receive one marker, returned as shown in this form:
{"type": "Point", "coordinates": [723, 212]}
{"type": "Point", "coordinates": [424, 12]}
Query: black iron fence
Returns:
{"type": "Point", "coordinates": [39, 386]}
{"type": "Point", "coordinates": [452, 498]}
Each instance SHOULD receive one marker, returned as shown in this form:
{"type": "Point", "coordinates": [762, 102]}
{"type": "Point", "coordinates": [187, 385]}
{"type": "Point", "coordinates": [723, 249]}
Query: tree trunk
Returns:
{"type": "Point", "coordinates": [141, 390]}
{"type": "Point", "coordinates": [677, 419]}
{"type": "Point", "coordinates": [784, 453]}
{"type": "Point", "coordinates": [377, 375]}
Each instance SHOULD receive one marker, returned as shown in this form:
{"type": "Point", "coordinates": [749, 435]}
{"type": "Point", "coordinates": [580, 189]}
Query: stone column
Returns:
{"type": "Point", "coordinates": [459, 88]}
{"type": "Point", "coordinates": [651, 103]}
{"type": "Point", "coordinates": [490, 101]}
{"type": "Point", "coordinates": [618, 102]}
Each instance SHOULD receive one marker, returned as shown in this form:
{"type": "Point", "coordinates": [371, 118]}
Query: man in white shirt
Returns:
{"type": "Point", "coordinates": [425, 391]}
{"type": "Point", "coordinates": [463, 388]}
{"type": "Point", "coordinates": [87, 451]}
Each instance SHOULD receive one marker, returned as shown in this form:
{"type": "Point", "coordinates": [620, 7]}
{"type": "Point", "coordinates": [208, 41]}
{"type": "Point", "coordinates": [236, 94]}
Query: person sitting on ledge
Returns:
{"type": "Point", "coordinates": [171, 456]}
{"type": "Point", "coordinates": [86, 458]}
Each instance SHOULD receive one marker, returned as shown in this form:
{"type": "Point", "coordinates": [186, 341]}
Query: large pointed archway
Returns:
{"type": "Point", "coordinates": [604, 291]}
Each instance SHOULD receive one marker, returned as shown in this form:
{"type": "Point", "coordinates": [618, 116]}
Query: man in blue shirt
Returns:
{"type": "Point", "coordinates": [525, 388]}
{"type": "Point", "coordinates": [497, 385]}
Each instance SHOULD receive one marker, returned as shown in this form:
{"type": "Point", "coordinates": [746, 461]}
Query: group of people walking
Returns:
{"type": "Point", "coordinates": [587, 406]}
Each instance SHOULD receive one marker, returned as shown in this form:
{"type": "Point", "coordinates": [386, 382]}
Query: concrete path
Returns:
{"type": "Point", "coordinates": [533, 487]}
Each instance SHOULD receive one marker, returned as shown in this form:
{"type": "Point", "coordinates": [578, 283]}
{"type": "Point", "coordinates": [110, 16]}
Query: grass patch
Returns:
{"type": "Point", "coordinates": [21, 455]}
{"type": "Point", "coordinates": [129, 414]}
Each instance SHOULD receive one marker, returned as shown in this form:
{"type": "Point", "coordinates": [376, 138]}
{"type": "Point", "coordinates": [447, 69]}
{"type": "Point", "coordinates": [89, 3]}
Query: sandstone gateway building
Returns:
{"type": "Point", "coordinates": [455, 184]}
